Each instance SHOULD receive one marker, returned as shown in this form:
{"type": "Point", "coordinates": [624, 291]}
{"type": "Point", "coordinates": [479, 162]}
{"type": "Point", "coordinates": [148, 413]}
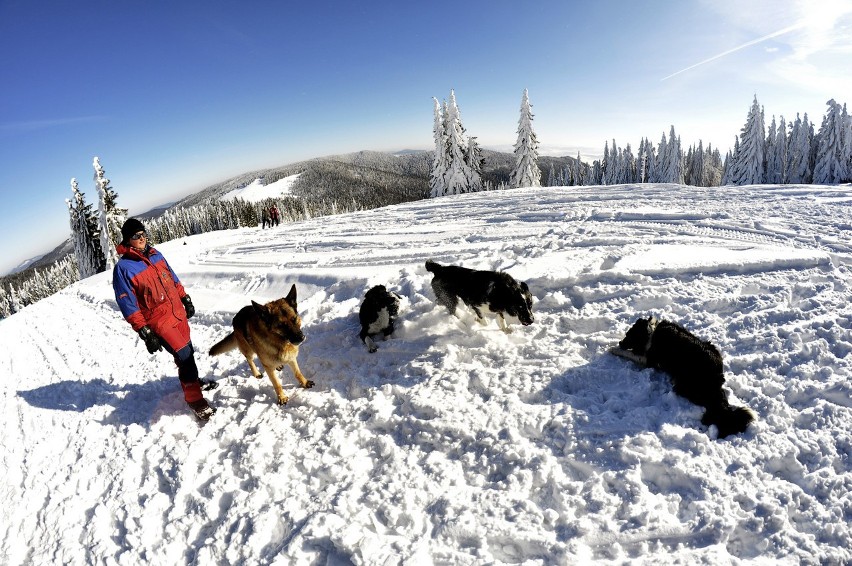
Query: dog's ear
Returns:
{"type": "Point", "coordinates": [291, 296]}
{"type": "Point", "coordinates": [259, 309]}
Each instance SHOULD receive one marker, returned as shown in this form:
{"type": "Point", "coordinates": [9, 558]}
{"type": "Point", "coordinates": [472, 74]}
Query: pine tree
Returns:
{"type": "Point", "coordinates": [776, 158]}
{"type": "Point", "coordinates": [713, 167]}
{"type": "Point", "coordinates": [459, 177]}
{"type": "Point", "coordinates": [730, 167]}
{"type": "Point", "coordinates": [476, 161]}
{"type": "Point", "coordinates": [606, 165]}
{"type": "Point", "coordinates": [111, 217]}
{"type": "Point", "coordinates": [749, 160]}
{"type": "Point", "coordinates": [84, 234]}
{"type": "Point", "coordinates": [628, 166]}
{"type": "Point", "coordinates": [697, 174]}
{"type": "Point", "coordinates": [672, 160]}
{"type": "Point", "coordinates": [661, 161]}
{"type": "Point", "coordinates": [832, 158]}
{"type": "Point", "coordinates": [526, 172]}
{"type": "Point", "coordinates": [798, 152]}
{"type": "Point", "coordinates": [439, 165]}
{"type": "Point", "coordinates": [645, 161]}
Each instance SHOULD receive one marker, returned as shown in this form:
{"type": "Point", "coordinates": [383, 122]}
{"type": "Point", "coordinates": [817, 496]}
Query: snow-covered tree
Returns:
{"type": "Point", "coordinates": [439, 165]}
{"type": "Point", "coordinates": [627, 166]}
{"type": "Point", "coordinates": [476, 162]}
{"type": "Point", "coordinates": [84, 234]}
{"type": "Point", "coordinates": [749, 161]}
{"type": "Point", "coordinates": [459, 177]}
{"type": "Point", "coordinates": [776, 154]}
{"type": "Point", "coordinates": [798, 152]}
{"type": "Point", "coordinates": [111, 217]}
{"type": "Point", "coordinates": [694, 173]}
{"type": "Point", "coordinates": [645, 166]}
{"type": "Point", "coordinates": [581, 176]}
{"type": "Point", "coordinates": [670, 159]}
{"type": "Point", "coordinates": [526, 172]}
{"type": "Point", "coordinates": [832, 157]}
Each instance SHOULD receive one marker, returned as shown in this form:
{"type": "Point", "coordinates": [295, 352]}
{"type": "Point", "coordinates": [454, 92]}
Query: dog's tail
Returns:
{"type": "Point", "coordinates": [433, 266]}
{"type": "Point", "coordinates": [729, 420]}
{"type": "Point", "coordinates": [226, 344]}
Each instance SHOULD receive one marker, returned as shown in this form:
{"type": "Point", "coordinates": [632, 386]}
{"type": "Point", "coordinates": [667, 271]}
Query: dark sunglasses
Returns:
{"type": "Point", "coordinates": [138, 236]}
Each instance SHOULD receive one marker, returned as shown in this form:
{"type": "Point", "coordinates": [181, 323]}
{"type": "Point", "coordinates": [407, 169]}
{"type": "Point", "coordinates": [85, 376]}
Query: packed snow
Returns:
{"type": "Point", "coordinates": [456, 443]}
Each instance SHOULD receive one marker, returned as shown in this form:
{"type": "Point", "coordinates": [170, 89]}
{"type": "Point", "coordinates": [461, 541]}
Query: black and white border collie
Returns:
{"type": "Point", "coordinates": [378, 314]}
{"type": "Point", "coordinates": [694, 366]}
{"type": "Point", "coordinates": [496, 291]}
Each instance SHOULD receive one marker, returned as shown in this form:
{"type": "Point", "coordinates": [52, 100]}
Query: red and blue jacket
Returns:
{"type": "Point", "coordinates": [149, 294]}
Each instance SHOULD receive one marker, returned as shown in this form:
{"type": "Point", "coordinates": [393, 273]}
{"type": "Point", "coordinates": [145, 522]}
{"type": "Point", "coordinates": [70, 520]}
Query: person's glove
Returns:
{"type": "Point", "coordinates": [187, 304]}
{"type": "Point", "coordinates": [152, 341]}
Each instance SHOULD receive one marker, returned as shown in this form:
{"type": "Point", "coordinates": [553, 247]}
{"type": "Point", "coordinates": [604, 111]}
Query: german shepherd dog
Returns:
{"type": "Point", "coordinates": [694, 366]}
{"type": "Point", "coordinates": [495, 290]}
{"type": "Point", "coordinates": [377, 315]}
{"type": "Point", "coordinates": [272, 331]}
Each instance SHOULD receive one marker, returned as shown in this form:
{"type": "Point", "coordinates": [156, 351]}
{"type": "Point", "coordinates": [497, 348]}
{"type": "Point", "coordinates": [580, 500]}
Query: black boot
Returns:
{"type": "Point", "coordinates": [202, 409]}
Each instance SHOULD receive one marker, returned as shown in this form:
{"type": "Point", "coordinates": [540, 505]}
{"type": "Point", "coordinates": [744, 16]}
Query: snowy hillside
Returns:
{"type": "Point", "coordinates": [257, 191]}
{"type": "Point", "coordinates": [456, 443]}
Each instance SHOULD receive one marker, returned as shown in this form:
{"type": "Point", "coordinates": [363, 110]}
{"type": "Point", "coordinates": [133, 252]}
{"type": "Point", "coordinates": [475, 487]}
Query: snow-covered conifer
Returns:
{"type": "Point", "coordinates": [476, 162]}
{"type": "Point", "coordinates": [526, 172]}
{"type": "Point", "coordinates": [111, 217]}
{"type": "Point", "coordinates": [459, 178]}
{"type": "Point", "coordinates": [798, 152]}
{"type": "Point", "coordinates": [660, 169]}
{"type": "Point", "coordinates": [606, 165]}
{"type": "Point", "coordinates": [580, 176]}
{"type": "Point", "coordinates": [831, 160]}
{"type": "Point", "coordinates": [84, 234]}
{"type": "Point", "coordinates": [439, 165]}
{"type": "Point", "coordinates": [627, 166]}
{"type": "Point", "coordinates": [776, 157]}
{"type": "Point", "coordinates": [749, 159]}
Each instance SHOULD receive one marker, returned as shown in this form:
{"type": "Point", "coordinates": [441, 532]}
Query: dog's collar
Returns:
{"type": "Point", "coordinates": [652, 326]}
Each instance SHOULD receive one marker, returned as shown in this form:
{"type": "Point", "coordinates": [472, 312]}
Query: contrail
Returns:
{"type": "Point", "coordinates": [743, 46]}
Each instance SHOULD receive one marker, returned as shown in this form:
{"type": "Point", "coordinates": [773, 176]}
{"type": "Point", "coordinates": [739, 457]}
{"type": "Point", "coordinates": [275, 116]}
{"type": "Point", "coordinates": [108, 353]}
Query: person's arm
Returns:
{"type": "Point", "coordinates": [125, 296]}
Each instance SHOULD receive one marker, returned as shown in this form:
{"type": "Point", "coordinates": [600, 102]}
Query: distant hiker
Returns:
{"type": "Point", "coordinates": [154, 302]}
{"type": "Point", "coordinates": [264, 216]}
{"type": "Point", "coordinates": [274, 214]}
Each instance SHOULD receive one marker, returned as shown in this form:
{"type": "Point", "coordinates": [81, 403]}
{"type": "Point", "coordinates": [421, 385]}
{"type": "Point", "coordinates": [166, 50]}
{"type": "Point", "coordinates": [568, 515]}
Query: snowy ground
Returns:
{"type": "Point", "coordinates": [456, 443]}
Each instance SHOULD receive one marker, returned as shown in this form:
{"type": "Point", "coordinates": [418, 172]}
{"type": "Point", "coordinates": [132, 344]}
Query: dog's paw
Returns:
{"type": "Point", "coordinates": [283, 400]}
{"type": "Point", "coordinates": [373, 349]}
{"type": "Point", "coordinates": [258, 376]}
{"type": "Point", "coordinates": [279, 368]}
{"type": "Point", "coordinates": [308, 384]}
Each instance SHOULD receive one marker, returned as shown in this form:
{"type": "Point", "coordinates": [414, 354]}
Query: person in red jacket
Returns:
{"type": "Point", "coordinates": [154, 302]}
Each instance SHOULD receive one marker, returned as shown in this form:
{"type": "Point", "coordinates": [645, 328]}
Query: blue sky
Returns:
{"type": "Point", "coordinates": [175, 96]}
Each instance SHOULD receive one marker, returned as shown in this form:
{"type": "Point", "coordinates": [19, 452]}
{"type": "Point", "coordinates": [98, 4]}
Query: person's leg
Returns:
{"type": "Point", "coordinates": [191, 384]}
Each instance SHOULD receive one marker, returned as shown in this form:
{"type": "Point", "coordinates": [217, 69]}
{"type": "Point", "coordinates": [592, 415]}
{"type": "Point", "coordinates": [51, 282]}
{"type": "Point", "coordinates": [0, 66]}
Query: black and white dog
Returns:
{"type": "Point", "coordinates": [378, 314]}
{"type": "Point", "coordinates": [694, 366]}
{"type": "Point", "coordinates": [496, 291]}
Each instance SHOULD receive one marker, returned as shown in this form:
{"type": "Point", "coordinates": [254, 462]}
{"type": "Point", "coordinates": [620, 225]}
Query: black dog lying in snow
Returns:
{"type": "Point", "coordinates": [694, 365]}
{"type": "Point", "coordinates": [378, 314]}
{"type": "Point", "coordinates": [495, 290]}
